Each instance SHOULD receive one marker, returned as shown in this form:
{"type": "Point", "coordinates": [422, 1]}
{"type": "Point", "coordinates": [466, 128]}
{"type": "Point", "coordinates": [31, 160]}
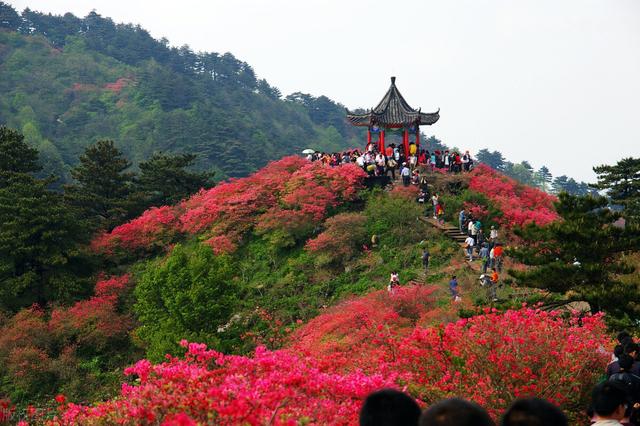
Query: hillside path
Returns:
{"type": "Point", "coordinates": [454, 233]}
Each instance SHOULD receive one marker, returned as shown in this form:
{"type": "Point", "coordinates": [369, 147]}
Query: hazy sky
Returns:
{"type": "Point", "coordinates": [555, 82]}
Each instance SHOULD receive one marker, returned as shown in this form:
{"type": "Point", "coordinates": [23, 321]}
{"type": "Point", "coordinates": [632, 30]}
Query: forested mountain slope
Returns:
{"type": "Point", "coordinates": [67, 82]}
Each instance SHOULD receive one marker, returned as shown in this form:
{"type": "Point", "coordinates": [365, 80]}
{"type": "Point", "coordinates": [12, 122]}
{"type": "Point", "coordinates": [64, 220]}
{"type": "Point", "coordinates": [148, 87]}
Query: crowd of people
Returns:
{"type": "Point", "coordinates": [610, 406]}
{"type": "Point", "coordinates": [393, 159]}
{"type": "Point", "coordinates": [623, 376]}
{"type": "Point", "coordinates": [389, 407]}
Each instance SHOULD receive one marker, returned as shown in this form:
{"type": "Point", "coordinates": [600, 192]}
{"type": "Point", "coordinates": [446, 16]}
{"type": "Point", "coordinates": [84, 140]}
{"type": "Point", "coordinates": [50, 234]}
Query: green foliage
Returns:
{"type": "Point", "coordinates": [494, 159]}
{"type": "Point", "coordinates": [165, 180]}
{"type": "Point", "coordinates": [73, 81]}
{"type": "Point", "coordinates": [582, 256]}
{"type": "Point", "coordinates": [9, 18]}
{"type": "Point", "coordinates": [189, 296]}
{"type": "Point", "coordinates": [39, 234]}
{"type": "Point", "coordinates": [393, 218]}
{"type": "Point", "coordinates": [40, 259]}
{"type": "Point", "coordinates": [17, 156]}
{"type": "Point", "coordinates": [103, 187]}
{"type": "Point", "coordinates": [622, 183]}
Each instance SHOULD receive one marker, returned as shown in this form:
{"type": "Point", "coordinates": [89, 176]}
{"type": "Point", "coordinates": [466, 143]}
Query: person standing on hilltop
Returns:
{"type": "Point", "coordinates": [406, 174]}
{"type": "Point", "coordinates": [391, 167]}
{"type": "Point", "coordinates": [389, 151]}
{"type": "Point", "coordinates": [465, 161]}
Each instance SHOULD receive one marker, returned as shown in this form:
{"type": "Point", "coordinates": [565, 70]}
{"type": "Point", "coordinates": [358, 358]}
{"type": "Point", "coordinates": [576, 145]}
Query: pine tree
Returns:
{"type": "Point", "coordinates": [17, 156]}
{"type": "Point", "coordinates": [9, 18]}
{"type": "Point", "coordinates": [165, 180]}
{"type": "Point", "coordinates": [494, 159]}
{"type": "Point", "coordinates": [622, 183]}
{"type": "Point", "coordinates": [544, 178]}
{"type": "Point", "coordinates": [560, 184]}
{"type": "Point", "coordinates": [582, 257]}
{"type": "Point", "coordinates": [39, 235]}
{"type": "Point", "coordinates": [103, 187]}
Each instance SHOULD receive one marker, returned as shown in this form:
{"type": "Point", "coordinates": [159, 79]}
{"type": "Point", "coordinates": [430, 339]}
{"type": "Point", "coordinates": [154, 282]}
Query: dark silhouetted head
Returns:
{"type": "Point", "coordinates": [389, 407]}
{"type": "Point", "coordinates": [455, 412]}
{"type": "Point", "coordinates": [533, 412]}
{"type": "Point", "coordinates": [608, 400]}
{"type": "Point", "coordinates": [625, 362]}
{"type": "Point", "coordinates": [618, 350]}
{"type": "Point", "coordinates": [624, 338]}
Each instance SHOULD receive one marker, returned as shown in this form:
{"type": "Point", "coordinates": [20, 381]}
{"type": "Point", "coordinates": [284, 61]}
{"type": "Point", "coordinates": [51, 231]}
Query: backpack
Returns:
{"type": "Point", "coordinates": [392, 163]}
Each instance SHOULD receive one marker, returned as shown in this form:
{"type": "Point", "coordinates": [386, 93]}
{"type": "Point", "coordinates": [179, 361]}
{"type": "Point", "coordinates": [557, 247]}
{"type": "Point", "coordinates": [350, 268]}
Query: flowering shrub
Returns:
{"type": "Point", "coordinates": [154, 229]}
{"type": "Point", "coordinates": [343, 236]}
{"type": "Point", "coordinates": [491, 359]}
{"type": "Point", "coordinates": [495, 357]}
{"type": "Point", "coordinates": [288, 195]}
{"type": "Point", "coordinates": [356, 332]}
{"type": "Point", "coordinates": [519, 204]}
{"type": "Point", "coordinates": [6, 410]}
{"type": "Point", "coordinates": [37, 350]}
{"type": "Point", "coordinates": [271, 387]}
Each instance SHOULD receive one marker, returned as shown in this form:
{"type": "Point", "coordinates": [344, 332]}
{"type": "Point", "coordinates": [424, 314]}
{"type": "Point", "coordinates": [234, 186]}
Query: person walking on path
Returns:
{"type": "Point", "coordinates": [468, 245]}
{"type": "Point", "coordinates": [493, 235]}
{"type": "Point", "coordinates": [490, 287]}
{"type": "Point", "coordinates": [435, 201]}
{"type": "Point", "coordinates": [484, 257]}
{"type": "Point", "coordinates": [497, 257]}
{"type": "Point", "coordinates": [494, 277]}
{"type": "Point", "coordinates": [453, 289]}
{"type": "Point", "coordinates": [406, 174]}
{"type": "Point", "coordinates": [461, 219]}
{"type": "Point", "coordinates": [440, 214]}
{"type": "Point", "coordinates": [425, 259]}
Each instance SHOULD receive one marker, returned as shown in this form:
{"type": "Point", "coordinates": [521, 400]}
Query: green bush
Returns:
{"type": "Point", "coordinates": [189, 296]}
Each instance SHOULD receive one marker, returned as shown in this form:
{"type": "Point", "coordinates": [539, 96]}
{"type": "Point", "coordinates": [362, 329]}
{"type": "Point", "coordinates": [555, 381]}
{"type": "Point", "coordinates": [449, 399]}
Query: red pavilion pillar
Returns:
{"type": "Point", "coordinates": [381, 145]}
{"type": "Point", "coordinates": [405, 143]}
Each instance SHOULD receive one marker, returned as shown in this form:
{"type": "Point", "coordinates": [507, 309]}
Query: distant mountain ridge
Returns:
{"type": "Point", "coordinates": [67, 82]}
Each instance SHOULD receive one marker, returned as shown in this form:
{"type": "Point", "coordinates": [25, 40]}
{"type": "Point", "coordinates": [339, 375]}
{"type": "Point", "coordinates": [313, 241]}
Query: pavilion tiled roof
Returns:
{"type": "Point", "coordinates": [393, 111]}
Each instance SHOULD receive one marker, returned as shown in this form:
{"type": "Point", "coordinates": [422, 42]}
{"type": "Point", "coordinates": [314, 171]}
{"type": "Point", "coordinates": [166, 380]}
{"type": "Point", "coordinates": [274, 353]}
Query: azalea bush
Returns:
{"type": "Point", "coordinates": [355, 333]}
{"type": "Point", "coordinates": [343, 237]}
{"type": "Point", "coordinates": [491, 358]}
{"type": "Point", "coordinates": [72, 348]}
{"type": "Point", "coordinates": [519, 204]}
{"type": "Point", "coordinates": [276, 388]}
{"type": "Point", "coordinates": [286, 198]}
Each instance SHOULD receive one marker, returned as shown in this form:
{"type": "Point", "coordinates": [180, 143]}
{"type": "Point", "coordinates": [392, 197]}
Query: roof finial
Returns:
{"type": "Point", "coordinates": [393, 80]}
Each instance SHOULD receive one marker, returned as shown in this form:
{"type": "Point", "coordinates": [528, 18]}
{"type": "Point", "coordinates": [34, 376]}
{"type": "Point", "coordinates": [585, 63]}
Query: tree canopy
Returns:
{"type": "Point", "coordinates": [582, 256]}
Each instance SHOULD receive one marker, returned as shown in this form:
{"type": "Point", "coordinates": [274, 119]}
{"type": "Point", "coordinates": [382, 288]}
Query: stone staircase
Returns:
{"type": "Point", "coordinates": [454, 233]}
{"type": "Point", "coordinates": [449, 230]}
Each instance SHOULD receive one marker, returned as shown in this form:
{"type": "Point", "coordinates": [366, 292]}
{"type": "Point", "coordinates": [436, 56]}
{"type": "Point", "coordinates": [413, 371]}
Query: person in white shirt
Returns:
{"type": "Point", "coordinates": [406, 175]}
{"type": "Point", "coordinates": [494, 234]}
{"type": "Point", "coordinates": [468, 244]}
{"type": "Point", "coordinates": [434, 201]}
